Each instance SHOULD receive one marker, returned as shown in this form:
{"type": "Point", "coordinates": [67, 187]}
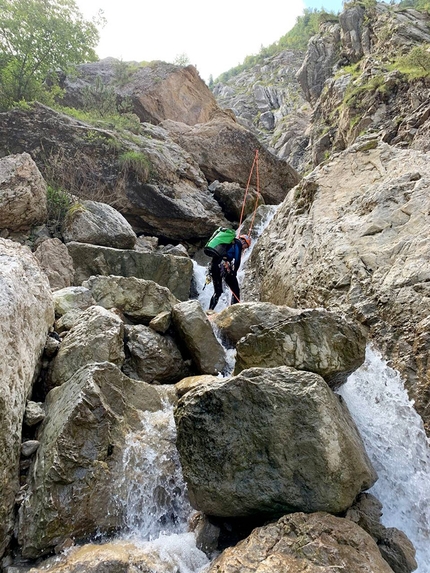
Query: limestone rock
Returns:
{"type": "Point", "coordinates": [162, 322]}
{"type": "Point", "coordinates": [225, 151]}
{"type": "Point", "coordinates": [304, 544]}
{"type": "Point", "coordinates": [73, 490]}
{"type": "Point", "coordinates": [169, 271]}
{"type": "Point", "coordinates": [231, 197]}
{"type": "Point", "coordinates": [190, 382]}
{"type": "Point", "coordinates": [139, 299]}
{"type": "Point", "coordinates": [268, 442]}
{"type": "Point", "coordinates": [158, 90]}
{"type": "Point", "coordinates": [97, 336]}
{"type": "Point", "coordinates": [238, 320]}
{"type": "Point", "coordinates": [152, 357]}
{"type": "Point", "coordinates": [314, 340]}
{"type": "Point", "coordinates": [196, 332]}
{"type": "Point", "coordinates": [22, 193]}
{"type": "Point", "coordinates": [26, 314]}
{"type": "Point", "coordinates": [72, 298]}
{"type": "Point", "coordinates": [56, 262]}
{"type": "Point", "coordinates": [98, 224]}
{"type": "Point", "coordinates": [29, 447]}
{"type": "Point", "coordinates": [354, 238]}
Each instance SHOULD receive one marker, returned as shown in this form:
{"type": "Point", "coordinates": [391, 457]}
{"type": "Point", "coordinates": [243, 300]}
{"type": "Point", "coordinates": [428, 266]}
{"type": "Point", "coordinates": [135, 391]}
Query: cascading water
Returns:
{"type": "Point", "coordinates": [154, 494]}
{"type": "Point", "coordinates": [396, 443]}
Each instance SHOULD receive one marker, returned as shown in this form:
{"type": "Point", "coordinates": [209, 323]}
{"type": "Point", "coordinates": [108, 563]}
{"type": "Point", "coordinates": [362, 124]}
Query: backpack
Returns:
{"type": "Point", "coordinates": [219, 243]}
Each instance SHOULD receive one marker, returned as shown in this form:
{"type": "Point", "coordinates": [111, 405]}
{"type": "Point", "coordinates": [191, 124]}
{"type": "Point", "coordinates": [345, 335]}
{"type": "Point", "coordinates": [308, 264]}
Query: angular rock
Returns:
{"type": "Point", "coordinates": [302, 543]}
{"type": "Point", "coordinates": [56, 262]}
{"type": "Point", "coordinates": [268, 442]}
{"type": "Point", "coordinates": [152, 357]}
{"type": "Point", "coordinates": [231, 197]}
{"type": "Point", "coordinates": [313, 340]}
{"type": "Point", "coordinates": [238, 320]}
{"type": "Point", "coordinates": [34, 413]}
{"type": "Point", "coordinates": [22, 193]}
{"type": "Point", "coordinates": [26, 314]}
{"type": "Point", "coordinates": [76, 476]}
{"type": "Point", "coordinates": [169, 271]}
{"type": "Point", "coordinates": [190, 382]}
{"type": "Point", "coordinates": [97, 336]}
{"type": "Point", "coordinates": [72, 298]}
{"type": "Point", "coordinates": [158, 90]}
{"type": "Point", "coordinates": [98, 224]}
{"type": "Point", "coordinates": [161, 323]}
{"type": "Point", "coordinates": [225, 151]}
{"type": "Point", "coordinates": [139, 299]}
{"type": "Point", "coordinates": [196, 332]}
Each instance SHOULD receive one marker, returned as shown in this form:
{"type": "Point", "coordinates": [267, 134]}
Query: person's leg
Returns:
{"type": "Point", "coordinates": [231, 281]}
{"type": "Point", "coordinates": [217, 283]}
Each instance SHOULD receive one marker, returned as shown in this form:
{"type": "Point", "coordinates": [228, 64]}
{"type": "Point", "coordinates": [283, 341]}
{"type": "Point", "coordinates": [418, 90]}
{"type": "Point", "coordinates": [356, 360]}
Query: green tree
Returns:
{"type": "Point", "coordinates": [182, 60]}
{"type": "Point", "coordinates": [38, 37]}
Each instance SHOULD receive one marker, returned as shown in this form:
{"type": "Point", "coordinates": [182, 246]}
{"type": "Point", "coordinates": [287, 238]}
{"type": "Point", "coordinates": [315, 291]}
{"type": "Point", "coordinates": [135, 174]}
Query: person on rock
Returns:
{"type": "Point", "coordinates": [226, 268]}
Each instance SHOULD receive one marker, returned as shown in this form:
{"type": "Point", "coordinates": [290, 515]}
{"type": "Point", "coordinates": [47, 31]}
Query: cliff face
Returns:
{"type": "Point", "coordinates": [364, 74]}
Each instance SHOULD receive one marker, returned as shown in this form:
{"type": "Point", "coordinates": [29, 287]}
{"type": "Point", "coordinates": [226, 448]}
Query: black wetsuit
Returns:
{"type": "Point", "coordinates": [226, 268]}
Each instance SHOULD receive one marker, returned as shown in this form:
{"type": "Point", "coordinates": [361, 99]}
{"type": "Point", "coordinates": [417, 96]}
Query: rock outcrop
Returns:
{"type": "Point", "coordinates": [354, 238]}
{"type": "Point", "coordinates": [26, 315]}
{"type": "Point", "coordinates": [56, 263]}
{"type": "Point", "coordinates": [269, 442]}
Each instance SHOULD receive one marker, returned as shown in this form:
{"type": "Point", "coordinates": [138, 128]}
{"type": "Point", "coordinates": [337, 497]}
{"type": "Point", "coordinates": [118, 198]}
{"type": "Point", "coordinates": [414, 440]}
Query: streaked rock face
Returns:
{"type": "Point", "coordinates": [26, 314]}
{"type": "Point", "coordinates": [354, 238]}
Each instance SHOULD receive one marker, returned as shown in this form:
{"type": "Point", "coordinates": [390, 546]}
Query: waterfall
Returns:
{"type": "Point", "coordinates": [154, 495]}
{"type": "Point", "coordinates": [397, 445]}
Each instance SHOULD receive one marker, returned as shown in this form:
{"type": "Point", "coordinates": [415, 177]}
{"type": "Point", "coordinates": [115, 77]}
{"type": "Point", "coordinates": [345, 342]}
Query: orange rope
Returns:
{"type": "Point", "coordinates": [255, 164]}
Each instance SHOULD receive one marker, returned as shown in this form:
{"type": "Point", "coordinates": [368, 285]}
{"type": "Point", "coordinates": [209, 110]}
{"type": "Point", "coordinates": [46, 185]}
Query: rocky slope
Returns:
{"type": "Point", "coordinates": [101, 333]}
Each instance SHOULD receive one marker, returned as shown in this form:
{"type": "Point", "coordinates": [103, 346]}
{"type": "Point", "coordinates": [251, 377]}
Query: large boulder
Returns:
{"type": "Point", "coordinates": [56, 262]}
{"type": "Point", "coordinates": [97, 336]}
{"type": "Point", "coordinates": [154, 183]}
{"type": "Point", "coordinates": [157, 90]}
{"type": "Point", "coordinates": [313, 340]}
{"type": "Point", "coordinates": [98, 224]}
{"type": "Point", "coordinates": [169, 271]}
{"type": "Point", "coordinates": [196, 332]}
{"type": "Point", "coordinates": [269, 442]}
{"type": "Point", "coordinates": [152, 357]}
{"type": "Point", "coordinates": [238, 320]}
{"type": "Point", "coordinates": [22, 193]}
{"type": "Point", "coordinates": [139, 299]}
{"type": "Point", "coordinates": [72, 298]}
{"type": "Point", "coordinates": [26, 314]}
{"type": "Point", "coordinates": [354, 238]}
{"type": "Point", "coordinates": [302, 543]}
{"type": "Point", "coordinates": [75, 480]}
{"type": "Point", "coordinates": [225, 151]}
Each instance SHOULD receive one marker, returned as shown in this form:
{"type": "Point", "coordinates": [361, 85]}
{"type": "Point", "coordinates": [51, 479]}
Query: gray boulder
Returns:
{"type": "Point", "coordinates": [152, 357]}
{"type": "Point", "coordinates": [22, 193]}
{"type": "Point", "coordinates": [196, 332]}
{"type": "Point", "coordinates": [56, 262]}
{"type": "Point", "coordinates": [97, 336]}
{"type": "Point", "coordinates": [269, 442]}
{"type": "Point", "coordinates": [169, 271]}
{"type": "Point", "coordinates": [72, 298]}
{"type": "Point", "coordinates": [98, 224]}
{"type": "Point", "coordinates": [75, 479]}
{"type": "Point", "coordinates": [26, 315]}
{"type": "Point", "coordinates": [139, 299]}
{"type": "Point", "coordinates": [313, 340]}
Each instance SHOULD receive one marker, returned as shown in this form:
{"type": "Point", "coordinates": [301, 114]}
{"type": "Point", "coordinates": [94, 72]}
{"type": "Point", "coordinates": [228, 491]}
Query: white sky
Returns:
{"type": "Point", "coordinates": [215, 36]}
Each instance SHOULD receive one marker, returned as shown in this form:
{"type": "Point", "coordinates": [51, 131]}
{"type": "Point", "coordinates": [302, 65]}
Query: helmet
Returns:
{"type": "Point", "coordinates": [245, 239]}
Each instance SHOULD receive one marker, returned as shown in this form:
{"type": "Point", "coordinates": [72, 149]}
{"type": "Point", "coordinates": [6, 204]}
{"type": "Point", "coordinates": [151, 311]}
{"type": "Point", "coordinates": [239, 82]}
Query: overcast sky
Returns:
{"type": "Point", "coordinates": [215, 36]}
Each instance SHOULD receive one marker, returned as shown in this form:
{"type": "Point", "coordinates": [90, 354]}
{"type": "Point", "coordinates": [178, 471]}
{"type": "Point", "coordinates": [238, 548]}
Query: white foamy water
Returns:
{"type": "Point", "coordinates": [397, 445]}
{"type": "Point", "coordinates": [156, 503]}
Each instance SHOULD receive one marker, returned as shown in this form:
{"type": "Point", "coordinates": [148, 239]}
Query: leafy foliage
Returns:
{"type": "Point", "coordinates": [415, 64]}
{"type": "Point", "coordinates": [36, 38]}
{"type": "Point", "coordinates": [423, 5]}
{"type": "Point", "coordinates": [59, 203]}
